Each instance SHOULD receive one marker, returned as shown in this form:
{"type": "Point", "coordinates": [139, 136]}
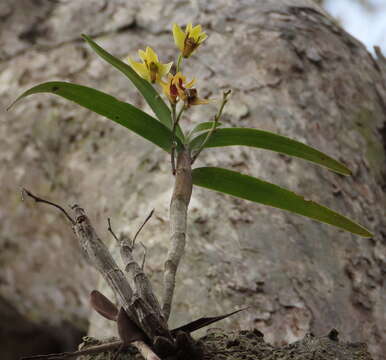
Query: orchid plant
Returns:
{"type": "Point", "coordinates": [165, 129]}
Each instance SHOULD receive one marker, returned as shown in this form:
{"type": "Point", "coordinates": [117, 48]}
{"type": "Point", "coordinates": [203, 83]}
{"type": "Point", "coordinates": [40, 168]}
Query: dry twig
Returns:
{"type": "Point", "coordinates": [38, 199]}
{"type": "Point", "coordinates": [97, 254]}
{"type": "Point", "coordinates": [65, 355]}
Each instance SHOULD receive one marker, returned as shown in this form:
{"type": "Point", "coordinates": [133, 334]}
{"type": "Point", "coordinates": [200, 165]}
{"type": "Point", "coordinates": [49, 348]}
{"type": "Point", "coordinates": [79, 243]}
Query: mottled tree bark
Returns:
{"type": "Point", "coordinates": [293, 71]}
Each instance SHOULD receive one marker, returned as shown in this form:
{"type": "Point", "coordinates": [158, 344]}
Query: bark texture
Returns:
{"type": "Point", "coordinates": [293, 71]}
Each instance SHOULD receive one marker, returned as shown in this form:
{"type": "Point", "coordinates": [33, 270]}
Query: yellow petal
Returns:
{"type": "Point", "coordinates": [140, 69]}
{"type": "Point", "coordinates": [202, 37]}
{"type": "Point", "coordinates": [198, 101]}
{"type": "Point", "coordinates": [177, 77]}
{"type": "Point", "coordinates": [188, 28]}
{"type": "Point", "coordinates": [167, 82]}
{"type": "Point", "coordinates": [195, 32]}
{"type": "Point", "coordinates": [164, 69]}
{"type": "Point", "coordinates": [151, 55]}
{"type": "Point", "coordinates": [165, 87]}
{"type": "Point", "coordinates": [179, 37]}
{"type": "Point", "coordinates": [142, 54]}
{"type": "Point", "coordinates": [191, 83]}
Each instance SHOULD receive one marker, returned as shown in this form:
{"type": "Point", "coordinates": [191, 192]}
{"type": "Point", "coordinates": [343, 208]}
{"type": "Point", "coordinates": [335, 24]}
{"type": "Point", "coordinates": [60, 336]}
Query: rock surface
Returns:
{"type": "Point", "coordinates": [293, 71]}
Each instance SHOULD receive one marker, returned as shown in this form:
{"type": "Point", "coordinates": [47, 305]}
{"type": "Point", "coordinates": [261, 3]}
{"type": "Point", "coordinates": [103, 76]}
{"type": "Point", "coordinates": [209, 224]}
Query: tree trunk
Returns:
{"type": "Point", "coordinates": [293, 71]}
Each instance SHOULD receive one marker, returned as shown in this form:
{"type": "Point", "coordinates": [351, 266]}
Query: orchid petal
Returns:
{"type": "Point", "coordinates": [179, 37]}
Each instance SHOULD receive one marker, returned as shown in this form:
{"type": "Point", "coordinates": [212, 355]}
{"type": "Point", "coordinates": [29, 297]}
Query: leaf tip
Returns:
{"type": "Point", "coordinates": [360, 230]}
{"type": "Point", "coordinates": [86, 38]}
{"type": "Point", "coordinates": [12, 104]}
{"type": "Point", "coordinates": [366, 234]}
{"type": "Point", "coordinates": [345, 170]}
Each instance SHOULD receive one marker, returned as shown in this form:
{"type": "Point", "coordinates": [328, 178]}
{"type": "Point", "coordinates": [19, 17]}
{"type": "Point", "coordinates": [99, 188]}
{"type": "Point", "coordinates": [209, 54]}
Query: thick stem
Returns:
{"type": "Point", "coordinates": [99, 256]}
{"type": "Point", "coordinates": [145, 350]}
{"type": "Point", "coordinates": [147, 317]}
{"type": "Point", "coordinates": [143, 289]}
{"type": "Point", "coordinates": [178, 212]}
{"type": "Point", "coordinates": [149, 307]}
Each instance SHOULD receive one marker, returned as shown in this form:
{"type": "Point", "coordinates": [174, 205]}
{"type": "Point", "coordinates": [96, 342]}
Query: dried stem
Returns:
{"type": "Point", "coordinates": [144, 256]}
{"type": "Point", "coordinates": [142, 347]}
{"type": "Point", "coordinates": [65, 355]}
{"type": "Point", "coordinates": [178, 213]}
{"type": "Point", "coordinates": [38, 199]}
{"type": "Point", "coordinates": [149, 306]}
{"type": "Point", "coordinates": [99, 256]}
{"type": "Point", "coordinates": [147, 317]}
{"type": "Point", "coordinates": [141, 227]}
{"type": "Point", "coordinates": [145, 350]}
{"type": "Point", "coordinates": [110, 229]}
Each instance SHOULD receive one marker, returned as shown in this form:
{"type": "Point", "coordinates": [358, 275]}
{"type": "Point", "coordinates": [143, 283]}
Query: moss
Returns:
{"type": "Point", "coordinates": [250, 344]}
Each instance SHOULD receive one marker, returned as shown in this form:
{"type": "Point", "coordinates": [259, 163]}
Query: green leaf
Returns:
{"type": "Point", "coordinates": [270, 141]}
{"type": "Point", "coordinates": [253, 189]}
{"type": "Point", "coordinates": [153, 98]}
{"type": "Point", "coordinates": [122, 113]}
{"type": "Point", "coordinates": [204, 126]}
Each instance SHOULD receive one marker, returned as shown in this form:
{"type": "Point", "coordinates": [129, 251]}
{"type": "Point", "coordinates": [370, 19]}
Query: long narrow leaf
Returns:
{"type": "Point", "coordinates": [201, 128]}
{"type": "Point", "coordinates": [204, 126]}
{"type": "Point", "coordinates": [202, 322]}
{"type": "Point", "coordinates": [253, 189]}
{"type": "Point", "coordinates": [122, 113]}
{"type": "Point", "coordinates": [270, 141]}
{"type": "Point", "coordinates": [152, 97]}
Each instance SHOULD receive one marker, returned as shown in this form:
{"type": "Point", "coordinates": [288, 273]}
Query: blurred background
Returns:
{"type": "Point", "coordinates": [31, 323]}
{"type": "Point", "coordinates": [364, 19]}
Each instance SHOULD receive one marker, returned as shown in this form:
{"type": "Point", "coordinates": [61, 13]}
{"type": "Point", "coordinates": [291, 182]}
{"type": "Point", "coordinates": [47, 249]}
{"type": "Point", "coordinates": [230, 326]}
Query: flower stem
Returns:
{"type": "Point", "coordinates": [179, 115]}
{"type": "Point", "coordinates": [179, 62]}
{"type": "Point", "coordinates": [173, 149]}
{"type": "Point", "coordinates": [215, 122]}
{"type": "Point", "coordinates": [175, 119]}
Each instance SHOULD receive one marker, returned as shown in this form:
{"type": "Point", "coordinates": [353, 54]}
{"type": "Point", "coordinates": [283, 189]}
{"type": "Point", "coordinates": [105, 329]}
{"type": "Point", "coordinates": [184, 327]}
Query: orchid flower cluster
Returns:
{"type": "Point", "coordinates": [175, 86]}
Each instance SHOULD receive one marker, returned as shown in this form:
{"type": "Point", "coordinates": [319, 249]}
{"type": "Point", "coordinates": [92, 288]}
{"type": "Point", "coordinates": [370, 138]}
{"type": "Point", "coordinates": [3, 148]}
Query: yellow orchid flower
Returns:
{"type": "Point", "coordinates": [189, 40]}
{"type": "Point", "coordinates": [176, 86]}
{"type": "Point", "coordinates": [150, 69]}
{"type": "Point", "coordinates": [191, 98]}
{"type": "Point", "coordinates": [169, 89]}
